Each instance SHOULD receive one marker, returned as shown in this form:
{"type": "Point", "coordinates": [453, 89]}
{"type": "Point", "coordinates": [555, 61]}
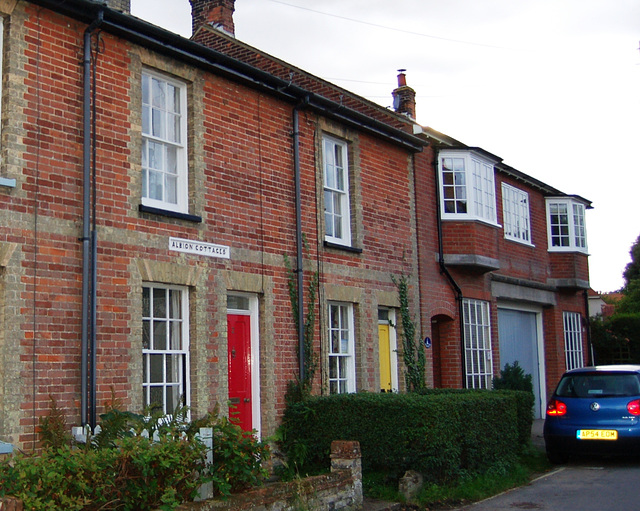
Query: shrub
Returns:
{"type": "Point", "coordinates": [119, 468]}
{"type": "Point", "coordinates": [513, 377]}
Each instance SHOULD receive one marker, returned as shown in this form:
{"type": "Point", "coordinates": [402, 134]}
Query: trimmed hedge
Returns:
{"type": "Point", "coordinates": [443, 434]}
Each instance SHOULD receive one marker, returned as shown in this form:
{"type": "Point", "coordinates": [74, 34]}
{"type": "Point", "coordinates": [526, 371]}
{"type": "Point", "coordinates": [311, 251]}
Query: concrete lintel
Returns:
{"type": "Point", "coordinates": [522, 293]}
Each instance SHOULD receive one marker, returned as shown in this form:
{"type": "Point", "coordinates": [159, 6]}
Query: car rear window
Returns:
{"type": "Point", "coordinates": [599, 385]}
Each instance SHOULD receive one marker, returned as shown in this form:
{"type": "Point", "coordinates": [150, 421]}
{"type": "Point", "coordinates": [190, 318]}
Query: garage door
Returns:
{"type": "Point", "coordinates": [518, 335]}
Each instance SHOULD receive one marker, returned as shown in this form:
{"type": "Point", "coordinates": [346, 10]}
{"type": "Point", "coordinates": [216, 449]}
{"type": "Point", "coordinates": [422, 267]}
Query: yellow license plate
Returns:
{"type": "Point", "coordinates": [597, 434]}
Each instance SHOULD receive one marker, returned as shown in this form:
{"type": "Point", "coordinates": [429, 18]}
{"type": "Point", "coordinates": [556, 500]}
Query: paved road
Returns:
{"type": "Point", "coordinates": [583, 485]}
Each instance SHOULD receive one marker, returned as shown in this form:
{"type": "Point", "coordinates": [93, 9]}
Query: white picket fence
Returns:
{"type": "Point", "coordinates": [205, 435]}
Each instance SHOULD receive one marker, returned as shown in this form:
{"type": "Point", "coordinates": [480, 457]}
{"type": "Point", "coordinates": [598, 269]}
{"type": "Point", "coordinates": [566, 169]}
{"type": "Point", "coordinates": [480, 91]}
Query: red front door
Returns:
{"type": "Point", "coordinates": [239, 356]}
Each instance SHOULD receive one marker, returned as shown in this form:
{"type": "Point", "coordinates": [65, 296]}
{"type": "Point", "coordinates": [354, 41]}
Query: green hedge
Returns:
{"type": "Point", "coordinates": [442, 434]}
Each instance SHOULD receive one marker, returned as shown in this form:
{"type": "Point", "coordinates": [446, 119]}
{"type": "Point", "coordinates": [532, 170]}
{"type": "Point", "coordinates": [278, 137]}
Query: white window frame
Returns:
{"type": "Point", "coordinates": [516, 218]}
{"type": "Point", "coordinates": [172, 187]}
{"type": "Point", "coordinates": [341, 352]}
{"type": "Point", "coordinates": [573, 346]}
{"type": "Point", "coordinates": [467, 186]}
{"type": "Point", "coordinates": [566, 230]}
{"type": "Point", "coordinates": [174, 347]}
{"type": "Point", "coordinates": [337, 203]}
{"type": "Point", "coordinates": [478, 356]}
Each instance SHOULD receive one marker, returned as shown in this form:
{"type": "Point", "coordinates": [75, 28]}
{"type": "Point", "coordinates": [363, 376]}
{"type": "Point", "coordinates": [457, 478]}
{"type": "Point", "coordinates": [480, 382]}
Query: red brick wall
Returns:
{"type": "Point", "coordinates": [241, 154]}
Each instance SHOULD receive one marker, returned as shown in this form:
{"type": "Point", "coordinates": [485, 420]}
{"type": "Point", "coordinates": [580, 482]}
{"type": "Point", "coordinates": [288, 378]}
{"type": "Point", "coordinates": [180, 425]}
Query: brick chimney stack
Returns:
{"type": "Point", "coordinates": [404, 97]}
{"type": "Point", "coordinates": [213, 13]}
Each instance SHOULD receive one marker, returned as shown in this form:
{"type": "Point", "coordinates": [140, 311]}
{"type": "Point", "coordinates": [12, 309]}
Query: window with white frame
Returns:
{"type": "Point", "coordinates": [164, 143]}
{"type": "Point", "coordinates": [566, 225]}
{"type": "Point", "coordinates": [165, 347]}
{"type": "Point", "coordinates": [341, 349]}
{"type": "Point", "coordinates": [477, 344]}
{"type": "Point", "coordinates": [467, 186]}
{"type": "Point", "coordinates": [573, 340]}
{"type": "Point", "coordinates": [337, 215]}
{"type": "Point", "coordinates": [515, 213]}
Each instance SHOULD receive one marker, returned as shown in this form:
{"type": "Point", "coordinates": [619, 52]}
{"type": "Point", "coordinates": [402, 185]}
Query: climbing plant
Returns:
{"type": "Point", "coordinates": [301, 388]}
{"type": "Point", "coordinates": [412, 350]}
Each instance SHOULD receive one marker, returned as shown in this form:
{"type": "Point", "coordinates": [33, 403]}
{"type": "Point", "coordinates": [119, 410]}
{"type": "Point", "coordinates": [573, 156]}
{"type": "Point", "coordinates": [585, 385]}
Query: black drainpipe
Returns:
{"type": "Point", "coordinates": [445, 271]}
{"type": "Point", "coordinates": [300, 287]}
{"type": "Point", "coordinates": [587, 322]}
{"type": "Point", "coordinates": [88, 247]}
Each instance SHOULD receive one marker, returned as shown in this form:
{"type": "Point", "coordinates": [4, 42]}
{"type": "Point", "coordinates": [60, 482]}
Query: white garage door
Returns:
{"type": "Point", "coordinates": [518, 333]}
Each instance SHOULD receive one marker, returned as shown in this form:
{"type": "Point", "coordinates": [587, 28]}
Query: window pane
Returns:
{"type": "Point", "coordinates": [238, 302]}
{"type": "Point", "coordinates": [172, 189]}
{"type": "Point", "coordinates": [173, 98]}
{"type": "Point", "coordinates": [156, 398]}
{"type": "Point", "coordinates": [158, 92]}
{"type": "Point", "coordinates": [155, 185]}
{"type": "Point", "coordinates": [146, 302]}
{"type": "Point", "coordinates": [175, 341]}
{"type": "Point", "coordinates": [156, 156]}
{"type": "Point", "coordinates": [159, 303]}
{"type": "Point", "coordinates": [146, 335]}
{"type": "Point", "coordinates": [146, 120]}
{"type": "Point", "coordinates": [156, 363]}
{"type": "Point", "coordinates": [159, 335]}
{"type": "Point", "coordinates": [146, 89]}
{"type": "Point", "coordinates": [158, 123]}
{"type": "Point", "coordinates": [335, 342]}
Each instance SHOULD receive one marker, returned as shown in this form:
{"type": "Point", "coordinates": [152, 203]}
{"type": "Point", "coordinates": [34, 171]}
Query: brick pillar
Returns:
{"type": "Point", "coordinates": [345, 455]}
{"type": "Point", "coordinates": [10, 504]}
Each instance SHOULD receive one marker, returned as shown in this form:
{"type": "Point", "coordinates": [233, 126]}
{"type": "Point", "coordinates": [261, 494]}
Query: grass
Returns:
{"type": "Point", "coordinates": [531, 462]}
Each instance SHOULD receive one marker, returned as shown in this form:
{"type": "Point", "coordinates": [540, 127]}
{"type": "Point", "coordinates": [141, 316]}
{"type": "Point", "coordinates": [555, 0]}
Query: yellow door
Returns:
{"type": "Point", "coordinates": [385, 358]}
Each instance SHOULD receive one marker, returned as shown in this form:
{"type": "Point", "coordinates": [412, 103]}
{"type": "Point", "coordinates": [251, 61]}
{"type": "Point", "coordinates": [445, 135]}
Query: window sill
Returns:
{"type": "Point", "coordinates": [170, 214]}
{"type": "Point", "coordinates": [450, 217]}
{"type": "Point", "coordinates": [9, 183]}
{"type": "Point", "coordinates": [520, 242]}
{"type": "Point", "coordinates": [346, 248]}
{"type": "Point", "coordinates": [568, 250]}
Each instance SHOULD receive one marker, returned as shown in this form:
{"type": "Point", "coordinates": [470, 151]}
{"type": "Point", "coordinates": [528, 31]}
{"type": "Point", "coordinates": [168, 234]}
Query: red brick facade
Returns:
{"type": "Point", "coordinates": [242, 196]}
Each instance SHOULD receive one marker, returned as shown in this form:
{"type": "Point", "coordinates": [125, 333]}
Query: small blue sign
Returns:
{"type": "Point", "coordinates": [427, 342]}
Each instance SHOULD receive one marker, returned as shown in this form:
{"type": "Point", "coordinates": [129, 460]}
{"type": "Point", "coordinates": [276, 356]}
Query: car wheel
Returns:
{"type": "Point", "coordinates": [557, 457]}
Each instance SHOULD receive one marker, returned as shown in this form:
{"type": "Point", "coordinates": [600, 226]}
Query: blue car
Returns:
{"type": "Point", "coordinates": [594, 410]}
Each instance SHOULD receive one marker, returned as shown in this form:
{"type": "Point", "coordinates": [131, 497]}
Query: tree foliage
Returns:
{"type": "Point", "coordinates": [632, 270]}
{"type": "Point", "coordinates": [616, 339]}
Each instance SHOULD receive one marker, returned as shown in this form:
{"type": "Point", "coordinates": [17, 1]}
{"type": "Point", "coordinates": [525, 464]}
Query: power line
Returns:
{"type": "Point", "coordinates": [420, 34]}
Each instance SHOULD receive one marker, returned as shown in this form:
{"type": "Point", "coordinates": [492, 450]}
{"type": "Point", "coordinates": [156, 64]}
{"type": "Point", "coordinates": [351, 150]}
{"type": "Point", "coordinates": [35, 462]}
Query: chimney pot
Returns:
{"type": "Point", "coordinates": [402, 78]}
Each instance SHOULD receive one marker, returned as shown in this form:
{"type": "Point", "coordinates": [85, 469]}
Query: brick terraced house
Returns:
{"type": "Point", "coordinates": [159, 196]}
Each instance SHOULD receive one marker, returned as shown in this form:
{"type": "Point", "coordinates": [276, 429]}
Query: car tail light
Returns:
{"type": "Point", "coordinates": [557, 408]}
{"type": "Point", "coordinates": [634, 407]}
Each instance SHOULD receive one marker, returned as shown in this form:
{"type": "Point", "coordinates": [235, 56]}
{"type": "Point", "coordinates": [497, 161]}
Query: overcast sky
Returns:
{"type": "Point", "coordinates": [550, 86]}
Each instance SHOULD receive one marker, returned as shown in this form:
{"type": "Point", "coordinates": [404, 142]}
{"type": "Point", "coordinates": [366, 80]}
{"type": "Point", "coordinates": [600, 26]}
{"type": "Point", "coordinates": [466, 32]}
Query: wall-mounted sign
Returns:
{"type": "Point", "coordinates": [199, 248]}
{"type": "Point", "coordinates": [427, 342]}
